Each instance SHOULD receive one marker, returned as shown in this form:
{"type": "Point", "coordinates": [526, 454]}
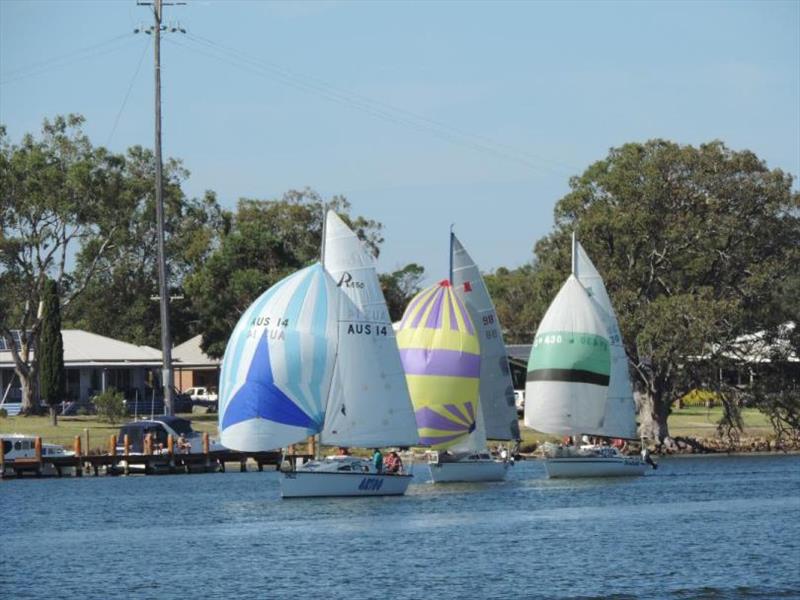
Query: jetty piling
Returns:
{"type": "Point", "coordinates": [78, 462]}
{"type": "Point", "coordinates": [123, 460]}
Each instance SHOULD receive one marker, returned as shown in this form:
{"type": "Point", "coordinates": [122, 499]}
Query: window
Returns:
{"type": "Point", "coordinates": [17, 445]}
{"type": "Point", "coordinates": [7, 446]}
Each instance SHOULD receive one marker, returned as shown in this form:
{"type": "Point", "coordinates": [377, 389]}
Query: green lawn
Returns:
{"type": "Point", "coordinates": [99, 433]}
{"type": "Point", "coordinates": [697, 421]}
{"type": "Point", "coordinates": [691, 422]}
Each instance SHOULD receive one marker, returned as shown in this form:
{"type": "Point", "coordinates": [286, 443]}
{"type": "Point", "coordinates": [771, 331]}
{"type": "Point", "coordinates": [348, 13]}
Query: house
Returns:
{"type": "Point", "coordinates": [93, 363]}
{"type": "Point", "coordinates": [194, 368]}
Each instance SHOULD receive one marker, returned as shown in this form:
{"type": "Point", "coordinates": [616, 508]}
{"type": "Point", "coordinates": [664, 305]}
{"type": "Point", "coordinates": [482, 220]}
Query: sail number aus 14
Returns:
{"type": "Point", "coordinates": [274, 326]}
{"type": "Point", "coordinates": [367, 329]}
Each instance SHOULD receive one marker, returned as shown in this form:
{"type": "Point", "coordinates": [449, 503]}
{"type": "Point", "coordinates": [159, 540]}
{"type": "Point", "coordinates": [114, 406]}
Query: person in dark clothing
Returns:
{"type": "Point", "coordinates": [377, 460]}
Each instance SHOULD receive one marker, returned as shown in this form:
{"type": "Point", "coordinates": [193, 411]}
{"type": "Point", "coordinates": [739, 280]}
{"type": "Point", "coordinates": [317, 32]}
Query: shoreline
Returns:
{"type": "Point", "coordinates": [732, 454]}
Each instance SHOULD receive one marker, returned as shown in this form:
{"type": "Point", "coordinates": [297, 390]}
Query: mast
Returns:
{"type": "Point", "coordinates": [324, 231]}
{"type": "Point", "coordinates": [574, 256]}
{"type": "Point", "coordinates": [317, 437]}
{"type": "Point", "coordinates": [450, 270]}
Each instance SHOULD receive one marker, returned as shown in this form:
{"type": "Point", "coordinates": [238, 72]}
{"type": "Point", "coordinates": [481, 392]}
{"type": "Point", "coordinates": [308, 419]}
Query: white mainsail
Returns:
{"type": "Point", "coordinates": [369, 404]}
{"type": "Point", "coordinates": [498, 412]}
{"type": "Point", "coordinates": [620, 415]}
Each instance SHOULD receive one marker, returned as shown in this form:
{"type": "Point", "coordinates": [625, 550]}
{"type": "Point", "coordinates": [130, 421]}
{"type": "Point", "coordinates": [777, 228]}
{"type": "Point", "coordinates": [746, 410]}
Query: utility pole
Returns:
{"type": "Point", "coordinates": [166, 336]}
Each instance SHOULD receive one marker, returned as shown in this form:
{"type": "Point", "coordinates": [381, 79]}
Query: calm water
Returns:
{"type": "Point", "coordinates": [696, 528]}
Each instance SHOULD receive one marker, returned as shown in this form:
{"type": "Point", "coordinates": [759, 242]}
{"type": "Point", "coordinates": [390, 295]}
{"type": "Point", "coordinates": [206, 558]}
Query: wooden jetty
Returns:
{"type": "Point", "coordinates": [152, 461]}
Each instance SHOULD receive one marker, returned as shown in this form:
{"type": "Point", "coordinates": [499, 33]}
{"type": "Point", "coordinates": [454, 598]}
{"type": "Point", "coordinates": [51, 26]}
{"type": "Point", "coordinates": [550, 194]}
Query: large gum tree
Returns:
{"type": "Point", "coordinates": [697, 246]}
{"type": "Point", "coordinates": [57, 193]}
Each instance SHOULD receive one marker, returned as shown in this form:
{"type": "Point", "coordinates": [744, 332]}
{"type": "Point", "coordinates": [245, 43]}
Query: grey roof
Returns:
{"type": "Point", "coordinates": [518, 352]}
{"type": "Point", "coordinates": [189, 354]}
{"type": "Point", "coordinates": [82, 348]}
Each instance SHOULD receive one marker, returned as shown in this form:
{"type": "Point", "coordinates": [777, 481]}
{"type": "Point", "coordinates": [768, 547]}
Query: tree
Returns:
{"type": "Point", "coordinates": [519, 302]}
{"type": "Point", "coordinates": [267, 240]}
{"type": "Point", "coordinates": [50, 351]}
{"type": "Point", "coordinates": [695, 246]}
{"type": "Point", "coordinates": [129, 269]}
{"type": "Point", "coordinates": [400, 287]}
{"type": "Point", "coordinates": [56, 192]}
{"type": "Point", "coordinates": [110, 406]}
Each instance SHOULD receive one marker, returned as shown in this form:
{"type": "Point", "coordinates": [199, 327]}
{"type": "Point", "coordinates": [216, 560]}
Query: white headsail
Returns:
{"type": "Point", "coordinates": [369, 403]}
{"type": "Point", "coordinates": [496, 387]}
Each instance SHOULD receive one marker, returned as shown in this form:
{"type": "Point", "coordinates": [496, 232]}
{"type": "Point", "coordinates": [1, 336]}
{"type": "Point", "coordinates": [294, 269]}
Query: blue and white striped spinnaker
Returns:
{"type": "Point", "coordinates": [279, 362]}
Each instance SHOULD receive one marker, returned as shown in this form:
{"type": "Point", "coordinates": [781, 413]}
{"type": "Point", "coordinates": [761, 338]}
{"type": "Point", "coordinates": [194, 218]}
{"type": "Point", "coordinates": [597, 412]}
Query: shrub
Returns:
{"type": "Point", "coordinates": [3, 413]}
{"type": "Point", "coordinates": [701, 398]}
{"type": "Point", "coordinates": [110, 406]}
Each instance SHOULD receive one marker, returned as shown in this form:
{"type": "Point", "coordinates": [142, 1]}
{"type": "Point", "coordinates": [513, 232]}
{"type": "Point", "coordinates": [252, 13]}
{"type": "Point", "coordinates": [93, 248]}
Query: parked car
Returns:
{"type": "Point", "coordinates": [202, 396]}
{"type": "Point", "coordinates": [519, 401]}
{"type": "Point", "coordinates": [160, 427]}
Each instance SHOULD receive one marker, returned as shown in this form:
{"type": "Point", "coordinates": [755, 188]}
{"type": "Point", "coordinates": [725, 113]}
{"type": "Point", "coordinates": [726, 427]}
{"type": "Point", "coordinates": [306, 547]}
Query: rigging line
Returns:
{"type": "Point", "coordinates": [66, 61]}
{"type": "Point", "coordinates": [128, 93]}
{"type": "Point", "coordinates": [377, 112]}
{"type": "Point", "coordinates": [484, 139]}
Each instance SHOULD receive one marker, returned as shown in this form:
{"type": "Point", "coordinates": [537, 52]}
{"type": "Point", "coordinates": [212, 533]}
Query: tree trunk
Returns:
{"type": "Point", "coordinates": [653, 411]}
{"type": "Point", "coordinates": [26, 383]}
{"type": "Point", "coordinates": [53, 416]}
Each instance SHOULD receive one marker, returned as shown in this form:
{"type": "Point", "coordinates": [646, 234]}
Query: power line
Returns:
{"type": "Point", "coordinates": [63, 60]}
{"type": "Point", "coordinates": [128, 93]}
{"type": "Point", "coordinates": [372, 107]}
{"type": "Point", "coordinates": [438, 124]}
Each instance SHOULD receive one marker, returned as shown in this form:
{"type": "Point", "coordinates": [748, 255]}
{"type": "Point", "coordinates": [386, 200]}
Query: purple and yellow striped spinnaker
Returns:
{"type": "Point", "coordinates": [441, 357]}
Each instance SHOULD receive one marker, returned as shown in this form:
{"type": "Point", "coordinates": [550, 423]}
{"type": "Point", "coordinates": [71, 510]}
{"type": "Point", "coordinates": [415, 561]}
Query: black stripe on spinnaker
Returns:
{"type": "Point", "coordinates": [575, 375]}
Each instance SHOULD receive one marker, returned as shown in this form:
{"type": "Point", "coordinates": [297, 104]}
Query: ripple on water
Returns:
{"type": "Point", "coordinates": [699, 528]}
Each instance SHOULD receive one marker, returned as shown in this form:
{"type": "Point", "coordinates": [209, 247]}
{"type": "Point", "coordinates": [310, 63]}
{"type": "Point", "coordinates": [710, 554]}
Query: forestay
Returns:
{"type": "Point", "coordinates": [496, 387]}
{"type": "Point", "coordinates": [369, 403]}
{"type": "Point", "coordinates": [441, 357]}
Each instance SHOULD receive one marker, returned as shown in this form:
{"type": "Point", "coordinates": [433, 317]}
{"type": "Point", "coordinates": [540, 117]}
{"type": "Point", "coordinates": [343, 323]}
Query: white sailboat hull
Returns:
{"type": "Point", "coordinates": [469, 470]}
{"type": "Point", "coordinates": [300, 484]}
{"type": "Point", "coordinates": [594, 466]}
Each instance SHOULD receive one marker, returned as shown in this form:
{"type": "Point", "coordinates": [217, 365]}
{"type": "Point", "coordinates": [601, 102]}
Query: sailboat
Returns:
{"type": "Point", "coordinates": [316, 354]}
{"type": "Point", "coordinates": [458, 374]}
{"type": "Point", "coordinates": [578, 383]}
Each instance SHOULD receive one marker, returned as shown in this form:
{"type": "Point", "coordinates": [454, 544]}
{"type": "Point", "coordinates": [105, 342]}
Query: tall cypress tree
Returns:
{"type": "Point", "coordinates": [50, 351]}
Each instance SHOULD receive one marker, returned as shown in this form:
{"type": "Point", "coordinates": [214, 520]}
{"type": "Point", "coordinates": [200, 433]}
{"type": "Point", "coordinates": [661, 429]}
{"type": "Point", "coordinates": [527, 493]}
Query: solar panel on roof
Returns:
{"type": "Point", "coordinates": [5, 344]}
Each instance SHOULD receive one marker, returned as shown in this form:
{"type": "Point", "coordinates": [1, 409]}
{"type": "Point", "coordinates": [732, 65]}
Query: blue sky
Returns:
{"type": "Point", "coordinates": [421, 113]}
